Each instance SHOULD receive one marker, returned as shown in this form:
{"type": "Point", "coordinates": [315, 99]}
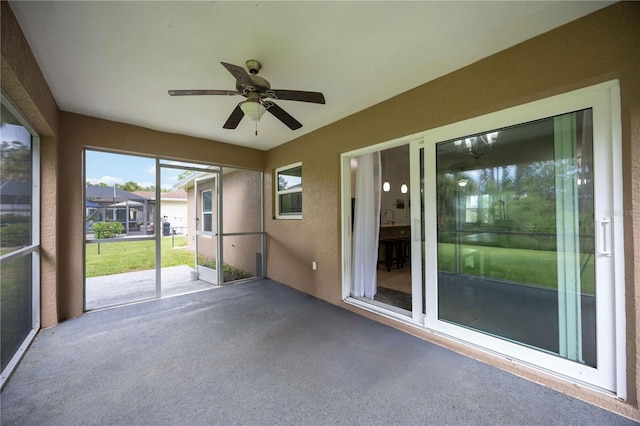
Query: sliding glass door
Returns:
{"type": "Point", "coordinates": [510, 227]}
{"type": "Point", "coordinates": [516, 235]}
{"type": "Point", "coordinates": [519, 216]}
{"type": "Point", "coordinates": [385, 238]}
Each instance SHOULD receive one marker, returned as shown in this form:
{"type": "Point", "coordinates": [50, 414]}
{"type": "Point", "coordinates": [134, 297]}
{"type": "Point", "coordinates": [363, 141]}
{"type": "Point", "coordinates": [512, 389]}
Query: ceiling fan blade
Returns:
{"type": "Point", "coordinates": [283, 116]}
{"type": "Point", "coordinates": [239, 73]}
{"type": "Point", "coordinates": [202, 92]}
{"type": "Point", "coordinates": [297, 95]}
{"type": "Point", "coordinates": [234, 118]}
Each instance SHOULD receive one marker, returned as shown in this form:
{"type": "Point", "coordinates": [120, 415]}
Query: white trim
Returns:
{"type": "Point", "coordinates": [618, 238]}
{"type": "Point", "coordinates": [278, 192]}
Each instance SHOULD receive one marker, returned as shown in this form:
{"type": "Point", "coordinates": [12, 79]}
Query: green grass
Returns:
{"type": "Point", "coordinates": [130, 256]}
{"type": "Point", "coordinates": [15, 306]}
{"type": "Point", "coordinates": [535, 267]}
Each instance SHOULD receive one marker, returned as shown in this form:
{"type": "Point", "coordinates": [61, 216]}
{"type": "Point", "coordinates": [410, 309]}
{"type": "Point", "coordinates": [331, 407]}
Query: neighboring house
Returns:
{"type": "Point", "coordinates": [111, 204]}
{"type": "Point", "coordinates": [596, 49]}
{"type": "Point", "coordinates": [173, 209]}
{"type": "Point", "coordinates": [15, 198]}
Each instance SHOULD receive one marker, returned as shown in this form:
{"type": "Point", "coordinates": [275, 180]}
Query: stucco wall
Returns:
{"type": "Point", "coordinates": [597, 48]}
{"type": "Point", "coordinates": [23, 83]}
{"type": "Point", "coordinates": [241, 200]}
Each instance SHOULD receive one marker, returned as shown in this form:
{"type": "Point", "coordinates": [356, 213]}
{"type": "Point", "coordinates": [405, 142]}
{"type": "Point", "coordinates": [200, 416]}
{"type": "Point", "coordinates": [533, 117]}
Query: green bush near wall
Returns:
{"type": "Point", "coordinates": [107, 229]}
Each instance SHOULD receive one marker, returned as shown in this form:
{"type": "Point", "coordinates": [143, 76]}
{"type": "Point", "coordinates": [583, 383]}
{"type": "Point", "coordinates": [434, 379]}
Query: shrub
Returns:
{"type": "Point", "coordinates": [107, 229]}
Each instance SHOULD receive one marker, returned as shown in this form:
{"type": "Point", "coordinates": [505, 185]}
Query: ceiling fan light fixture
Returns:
{"type": "Point", "coordinates": [252, 109]}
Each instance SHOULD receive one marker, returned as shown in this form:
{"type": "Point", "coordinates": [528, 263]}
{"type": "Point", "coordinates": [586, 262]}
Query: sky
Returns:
{"type": "Point", "coordinates": [109, 168]}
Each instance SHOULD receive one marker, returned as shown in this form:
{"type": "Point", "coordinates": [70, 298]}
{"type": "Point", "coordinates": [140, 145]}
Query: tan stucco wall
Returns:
{"type": "Point", "coordinates": [25, 86]}
{"type": "Point", "coordinates": [597, 48]}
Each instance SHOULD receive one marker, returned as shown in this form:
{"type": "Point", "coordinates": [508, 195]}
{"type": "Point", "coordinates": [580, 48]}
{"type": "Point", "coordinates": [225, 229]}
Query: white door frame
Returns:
{"type": "Point", "coordinates": [213, 276]}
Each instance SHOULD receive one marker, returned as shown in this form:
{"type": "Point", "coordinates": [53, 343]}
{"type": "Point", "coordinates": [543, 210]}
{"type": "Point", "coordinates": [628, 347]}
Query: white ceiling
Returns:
{"type": "Point", "coordinates": [116, 60]}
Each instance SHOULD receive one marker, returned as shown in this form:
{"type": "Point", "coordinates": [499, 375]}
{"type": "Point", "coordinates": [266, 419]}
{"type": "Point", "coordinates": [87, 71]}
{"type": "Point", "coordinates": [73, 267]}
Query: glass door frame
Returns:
{"type": "Point", "coordinates": [604, 99]}
{"type": "Point", "coordinates": [217, 276]}
{"type": "Point", "coordinates": [32, 250]}
{"type": "Point", "coordinates": [416, 316]}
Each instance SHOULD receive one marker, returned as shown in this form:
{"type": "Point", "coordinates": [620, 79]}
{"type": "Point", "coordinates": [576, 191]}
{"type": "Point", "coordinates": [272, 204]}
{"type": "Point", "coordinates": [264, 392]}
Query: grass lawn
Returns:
{"type": "Point", "coordinates": [130, 256]}
{"type": "Point", "coordinates": [15, 309]}
{"type": "Point", "coordinates": [535, 267]}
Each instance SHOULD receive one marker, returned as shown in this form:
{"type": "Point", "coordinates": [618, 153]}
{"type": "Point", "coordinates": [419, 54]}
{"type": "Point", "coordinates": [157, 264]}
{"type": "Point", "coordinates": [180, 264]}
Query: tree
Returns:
{"type": "Point", "coordinates": [16, 162]}
{"type": "Point", "coordinates": [130, 187]}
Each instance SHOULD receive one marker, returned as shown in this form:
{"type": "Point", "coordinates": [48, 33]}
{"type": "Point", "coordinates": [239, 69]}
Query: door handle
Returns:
{"type": "Point", "coordinates": [603, 236]}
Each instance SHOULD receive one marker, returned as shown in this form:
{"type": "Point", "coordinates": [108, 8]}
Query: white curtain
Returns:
{"type": "Point", "coordinates": [366, 226]}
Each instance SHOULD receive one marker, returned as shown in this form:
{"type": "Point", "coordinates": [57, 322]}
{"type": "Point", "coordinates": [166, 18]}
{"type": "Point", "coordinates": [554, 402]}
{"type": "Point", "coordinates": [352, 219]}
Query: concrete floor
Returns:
{"type": "Point", "coordinates": [110, 290]}
{"type": "Point", "coordinates": [261, 353]}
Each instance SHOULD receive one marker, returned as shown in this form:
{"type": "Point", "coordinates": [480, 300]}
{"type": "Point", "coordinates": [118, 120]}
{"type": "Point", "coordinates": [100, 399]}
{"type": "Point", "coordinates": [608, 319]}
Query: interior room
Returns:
{"type": "Point", "coordinates": [458, 180]}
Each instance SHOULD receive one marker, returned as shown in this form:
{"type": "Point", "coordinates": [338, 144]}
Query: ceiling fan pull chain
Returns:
{"type": "Point", "coordinates": [256, 127]}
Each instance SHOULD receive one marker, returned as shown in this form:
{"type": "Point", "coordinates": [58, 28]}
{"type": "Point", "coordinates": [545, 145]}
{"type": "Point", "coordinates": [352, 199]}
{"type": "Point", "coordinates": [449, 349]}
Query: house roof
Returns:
{"type": "Point", "coordinates": [110, 193]}
{"type": "Point", "coordinates": [176, 194]}
{"type": "Point", "coordinates": [15, 192]}
{"type": "Point", "coordinates": [129, 54]}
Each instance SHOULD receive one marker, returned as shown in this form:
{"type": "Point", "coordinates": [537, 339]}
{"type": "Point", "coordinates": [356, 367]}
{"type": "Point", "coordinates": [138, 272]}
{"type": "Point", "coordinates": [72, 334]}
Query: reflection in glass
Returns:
{"type": "Point", "coordinates": [16, 314]}
{"type": "Point", "coordinates": [516, 236]}
{"type": "Point", "coordinates": [15, 192]}
{"type": "Point", "coordinates": [290, 178]}
{"type": "Point", "coordinates": [17, 318]}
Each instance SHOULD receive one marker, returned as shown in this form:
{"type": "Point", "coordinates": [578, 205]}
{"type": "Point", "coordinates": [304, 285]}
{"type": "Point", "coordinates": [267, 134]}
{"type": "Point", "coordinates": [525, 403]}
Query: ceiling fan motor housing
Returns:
{"type": "Point", "coordinates": [253, 66]}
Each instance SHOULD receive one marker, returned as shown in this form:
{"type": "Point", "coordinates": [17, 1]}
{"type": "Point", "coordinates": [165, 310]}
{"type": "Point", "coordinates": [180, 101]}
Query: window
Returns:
{"type": "Point", "coordinates": [206, 211]}
{"type": "Point", "coordinates": [289, 192]}
{"type": "Point", "coordinates": [20, 238]}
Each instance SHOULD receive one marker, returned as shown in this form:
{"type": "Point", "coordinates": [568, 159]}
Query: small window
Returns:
{"type": "Point", "coordinates": [207, 224]}
{"type": "Point", "coordinates": [289, 192]}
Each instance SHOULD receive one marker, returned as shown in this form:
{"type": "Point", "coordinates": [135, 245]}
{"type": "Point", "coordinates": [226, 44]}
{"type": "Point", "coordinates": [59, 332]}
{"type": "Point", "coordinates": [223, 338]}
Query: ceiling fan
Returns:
{"type": "Point", "coordinates": [259, 96]}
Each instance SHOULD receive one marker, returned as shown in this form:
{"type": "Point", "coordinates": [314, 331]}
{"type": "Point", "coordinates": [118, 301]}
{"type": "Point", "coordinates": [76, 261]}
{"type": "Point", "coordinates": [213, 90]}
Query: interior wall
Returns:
{"type": "Point", "coordinates": [594, 49]}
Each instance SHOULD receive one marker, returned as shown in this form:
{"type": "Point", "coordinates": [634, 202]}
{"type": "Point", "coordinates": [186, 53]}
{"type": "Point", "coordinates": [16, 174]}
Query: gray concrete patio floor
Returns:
{"type": "Point", "coordinates": [117, 289]}
{"type": "Point", "coordinates": [260, 353]}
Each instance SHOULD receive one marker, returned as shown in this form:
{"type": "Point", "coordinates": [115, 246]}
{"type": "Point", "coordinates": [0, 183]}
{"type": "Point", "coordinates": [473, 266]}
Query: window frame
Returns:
{"type": "Point", "coordinates": [208, 212]}
{"type": "Point", "coordinates": [278, 192]}
{"type": "Point", "coordinates": [32, 250]}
